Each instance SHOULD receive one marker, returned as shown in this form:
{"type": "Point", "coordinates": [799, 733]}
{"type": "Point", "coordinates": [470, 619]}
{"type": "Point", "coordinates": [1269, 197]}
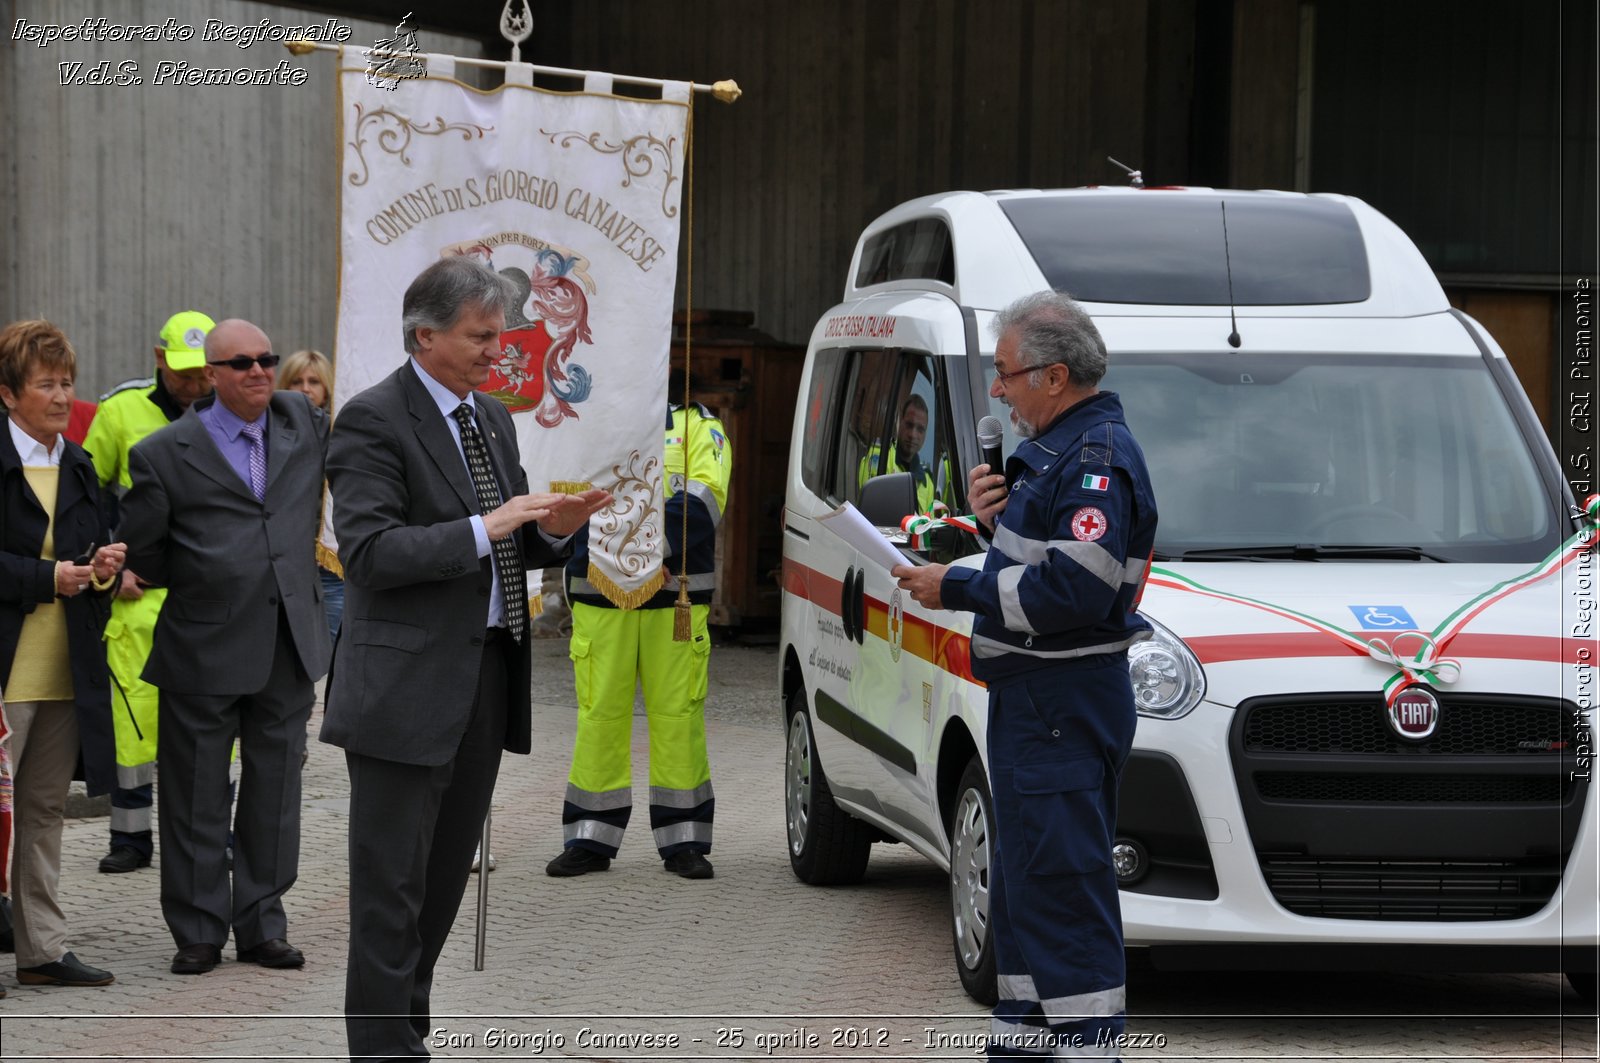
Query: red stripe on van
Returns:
{"type": "Point", "coordinates": [1219, 649]}
{"type": "Point", "coordinates": [942, 647]}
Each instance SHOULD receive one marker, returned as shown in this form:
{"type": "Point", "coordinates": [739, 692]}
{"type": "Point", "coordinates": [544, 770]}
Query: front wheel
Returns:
{"type": "Point", "coordinates": [971, 852]}
{"type": "Point", "coordinates": [827, 845]}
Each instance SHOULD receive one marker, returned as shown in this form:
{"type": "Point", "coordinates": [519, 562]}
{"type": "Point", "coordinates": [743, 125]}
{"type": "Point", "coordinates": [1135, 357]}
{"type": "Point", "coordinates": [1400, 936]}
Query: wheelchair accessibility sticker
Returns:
{"type": "Point", "coordinates": [1383, 618]}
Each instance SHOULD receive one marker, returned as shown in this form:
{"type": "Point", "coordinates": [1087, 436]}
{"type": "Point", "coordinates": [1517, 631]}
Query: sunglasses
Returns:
{"type": "Point", "coordinates": [241, 363]}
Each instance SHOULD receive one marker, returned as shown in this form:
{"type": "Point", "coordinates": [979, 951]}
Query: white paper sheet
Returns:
{"type": "Point", "coordinates": [848, 524]}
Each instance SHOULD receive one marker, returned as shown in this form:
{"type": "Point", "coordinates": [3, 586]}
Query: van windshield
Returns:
{"type": "Point", "coordinates": [1385, 457]}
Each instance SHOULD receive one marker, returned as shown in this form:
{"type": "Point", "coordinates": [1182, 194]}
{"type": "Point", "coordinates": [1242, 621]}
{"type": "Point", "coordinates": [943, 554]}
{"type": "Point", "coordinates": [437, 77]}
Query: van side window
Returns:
{"type": "Point", "coordinates": [821, 419]}
{"type": "Point", "coordinates": [872, 382]}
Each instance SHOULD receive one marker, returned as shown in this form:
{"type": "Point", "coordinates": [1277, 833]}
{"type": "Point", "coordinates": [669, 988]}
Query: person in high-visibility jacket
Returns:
{"type": "Point", "coordinates": [127, 415]}
{"type": "Point", "coordinates": [614, 649]}
{"type": "Point", "coordinates": [904, 456]}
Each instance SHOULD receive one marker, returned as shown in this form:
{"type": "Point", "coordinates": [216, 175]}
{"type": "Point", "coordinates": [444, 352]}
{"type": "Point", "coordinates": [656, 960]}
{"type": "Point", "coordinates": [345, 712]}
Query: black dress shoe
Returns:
{"type": "Point", "coordinates": [68, 970]}
{"type": "Point", "coordinates": [274, 952]}
{"type": "Point", "coordinates": [576, 861]}
{"type": "Point", "coordinates": [122, 859]}
{"type": "Point", "coordinates": [688, 864]}
{"type": "Point", "coordinates": [196, 959]}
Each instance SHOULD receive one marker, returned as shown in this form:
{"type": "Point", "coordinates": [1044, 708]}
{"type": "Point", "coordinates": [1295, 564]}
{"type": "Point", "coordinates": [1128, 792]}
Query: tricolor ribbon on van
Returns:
{"type": "Point", "coordinates": [1417, 657]}
{"type": "Point", "coordinates": [918, 525]}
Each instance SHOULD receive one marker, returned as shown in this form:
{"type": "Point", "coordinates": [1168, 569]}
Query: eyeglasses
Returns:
{"type": "Point", "coordinates": [241, 363]}
{"type": "Point", "coordinates": [1004, 377]}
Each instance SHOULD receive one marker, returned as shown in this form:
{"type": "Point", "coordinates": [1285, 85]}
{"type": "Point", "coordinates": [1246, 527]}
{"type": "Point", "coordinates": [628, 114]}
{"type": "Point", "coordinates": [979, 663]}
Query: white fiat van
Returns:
{"type": "Point", "coordinates": [1355, 497]}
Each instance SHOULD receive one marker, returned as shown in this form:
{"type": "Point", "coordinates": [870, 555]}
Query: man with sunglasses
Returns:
{"type": "Point", "coordinates": [127, 414]}
{"type": "Point", "coordinates": [220, 513]}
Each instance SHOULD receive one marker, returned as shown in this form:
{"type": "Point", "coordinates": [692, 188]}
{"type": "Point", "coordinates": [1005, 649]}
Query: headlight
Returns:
{"type": "Point", "coordinates": [1168, 681]}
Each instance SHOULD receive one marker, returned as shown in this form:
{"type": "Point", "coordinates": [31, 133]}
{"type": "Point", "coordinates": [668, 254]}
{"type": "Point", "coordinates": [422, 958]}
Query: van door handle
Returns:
{"type": "Point", "coordinates": [847, 610]}
{"type": "Point", "coordinates": [861, 605]}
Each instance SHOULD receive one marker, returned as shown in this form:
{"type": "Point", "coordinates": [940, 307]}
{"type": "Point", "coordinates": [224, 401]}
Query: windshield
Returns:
{"type": "Point", "coordinates": [1274, 451]}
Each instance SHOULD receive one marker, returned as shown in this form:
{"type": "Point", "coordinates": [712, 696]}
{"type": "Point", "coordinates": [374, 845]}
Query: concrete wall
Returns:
{"type": "Point", "coordinates": [120, 204]}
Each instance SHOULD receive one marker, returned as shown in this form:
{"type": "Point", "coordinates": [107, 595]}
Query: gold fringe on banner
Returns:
{"type": "Point", "coordinates": [625, 599]}
{"type": "Point", "coordinates": [570, 487]}
{"type": "Point", "coordinates": [329, 560]}
{"type": "Point", "coordinates": [536, 605]}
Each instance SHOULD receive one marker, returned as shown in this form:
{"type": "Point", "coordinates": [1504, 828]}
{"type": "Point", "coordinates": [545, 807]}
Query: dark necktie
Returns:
{"type": "Point", "coordinates": [513, 584]}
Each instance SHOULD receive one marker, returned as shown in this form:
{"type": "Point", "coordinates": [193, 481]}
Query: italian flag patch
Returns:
{"type": "Point", "coordinates": [1091, 482]}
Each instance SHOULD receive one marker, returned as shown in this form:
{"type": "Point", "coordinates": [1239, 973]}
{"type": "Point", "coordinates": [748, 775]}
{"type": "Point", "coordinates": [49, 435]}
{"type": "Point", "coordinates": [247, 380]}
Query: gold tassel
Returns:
{"type": "Point", "coordinates": [682, 625]}
{"type": "Point", "coordinates": [625, 599]}
{"type": "Point", "coordinates": [536, 605]}
{"type": "Point", "coordinates": [329, 560]}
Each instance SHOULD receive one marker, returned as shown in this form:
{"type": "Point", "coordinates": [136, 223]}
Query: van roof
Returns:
{"type": "Point", "coordinates": [1152, 252]}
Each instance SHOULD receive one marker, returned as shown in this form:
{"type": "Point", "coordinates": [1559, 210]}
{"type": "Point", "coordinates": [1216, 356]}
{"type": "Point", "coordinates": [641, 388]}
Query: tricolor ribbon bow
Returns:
{"type": "Point", "coordinates": [1422, 666]}
{"type": "Point", "coordinates": [918, 525]}
{"type": "Point", "coordinates": [1590, 515]}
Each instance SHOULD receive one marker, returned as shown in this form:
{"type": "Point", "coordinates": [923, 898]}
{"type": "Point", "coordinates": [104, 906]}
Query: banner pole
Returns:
{"type": "Point", "coordinates": [723, 91]}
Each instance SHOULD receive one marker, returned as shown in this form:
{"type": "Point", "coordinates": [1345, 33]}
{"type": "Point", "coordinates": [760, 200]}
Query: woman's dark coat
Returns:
{"type": "Point", "coordinates": [27, 580]}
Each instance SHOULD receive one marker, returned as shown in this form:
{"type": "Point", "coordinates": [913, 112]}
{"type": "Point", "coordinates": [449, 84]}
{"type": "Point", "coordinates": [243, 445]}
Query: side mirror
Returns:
{"type": "Point", "coordinates": [885, 499]}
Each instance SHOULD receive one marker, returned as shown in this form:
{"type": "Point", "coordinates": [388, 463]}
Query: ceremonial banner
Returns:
{"type": "Point", "coordinates": [574, 197]}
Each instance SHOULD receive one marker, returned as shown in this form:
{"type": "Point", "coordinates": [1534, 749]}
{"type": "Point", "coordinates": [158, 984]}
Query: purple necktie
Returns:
{"type": "Point", "coordinates": [258, 459]}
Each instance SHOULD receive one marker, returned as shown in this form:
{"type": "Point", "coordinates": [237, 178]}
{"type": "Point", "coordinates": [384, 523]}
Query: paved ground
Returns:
{"type": "Point", "coordinates": [752, 963]}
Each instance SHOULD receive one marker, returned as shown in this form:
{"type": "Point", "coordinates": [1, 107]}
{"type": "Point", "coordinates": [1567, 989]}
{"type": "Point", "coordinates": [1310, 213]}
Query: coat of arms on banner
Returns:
{"type": "Point", "coordinates": [575, 199]}
{"type": "Point", "coordinates": [536, 370]}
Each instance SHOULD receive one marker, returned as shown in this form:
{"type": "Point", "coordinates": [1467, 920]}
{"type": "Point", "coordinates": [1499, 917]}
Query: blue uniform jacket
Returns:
{"type": "Point", "coordinates": [1063, 576]}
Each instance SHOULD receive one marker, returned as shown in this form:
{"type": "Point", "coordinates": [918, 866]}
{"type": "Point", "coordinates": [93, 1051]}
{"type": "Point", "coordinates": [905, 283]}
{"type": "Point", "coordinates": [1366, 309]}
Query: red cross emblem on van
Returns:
{"type": "Point", "coordinates": [1414, 714]}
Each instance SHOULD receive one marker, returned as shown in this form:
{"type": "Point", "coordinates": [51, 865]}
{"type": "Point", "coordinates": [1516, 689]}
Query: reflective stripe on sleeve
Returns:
{"type": "Point", "coordinates": [1092, 557]}
{"type": "Point", "coordinates": [1007, 581]}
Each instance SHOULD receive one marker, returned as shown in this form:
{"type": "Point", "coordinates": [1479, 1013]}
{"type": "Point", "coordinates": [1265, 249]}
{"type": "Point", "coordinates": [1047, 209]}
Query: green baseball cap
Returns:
{"type": "Point", "coordinates": [183, 337]}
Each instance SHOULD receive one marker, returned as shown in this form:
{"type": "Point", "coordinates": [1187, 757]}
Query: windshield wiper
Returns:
{"type": "Point", "coordinates": [1311, 552]}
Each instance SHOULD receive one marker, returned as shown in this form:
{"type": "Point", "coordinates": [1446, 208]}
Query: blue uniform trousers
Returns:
{"type": "Point", "coordinates": [1058, 738]}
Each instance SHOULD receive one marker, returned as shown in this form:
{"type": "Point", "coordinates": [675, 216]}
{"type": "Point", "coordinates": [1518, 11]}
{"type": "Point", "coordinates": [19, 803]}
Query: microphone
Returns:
{"type": "Point", "coordinates": [990, 433]}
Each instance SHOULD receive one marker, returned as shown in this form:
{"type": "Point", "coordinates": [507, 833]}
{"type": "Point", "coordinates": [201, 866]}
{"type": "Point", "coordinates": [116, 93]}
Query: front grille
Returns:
{"type": "Point", "coordinates": [1469, 725]}
{"type": "Point", "coordinates": [1351, 821]}
{"type": "Point", "coordinates": [1435, 890]}
{"type": "Point", "coordinates": [1390, 788]}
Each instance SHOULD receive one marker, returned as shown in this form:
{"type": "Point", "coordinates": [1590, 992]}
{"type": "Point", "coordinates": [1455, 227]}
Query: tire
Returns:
{"type": "Point", "coordinates": [1585, 985]}
{"type": "Point", "coordinates": [827, 845]}
{"type": "Point", "coordinates": [971, 849]}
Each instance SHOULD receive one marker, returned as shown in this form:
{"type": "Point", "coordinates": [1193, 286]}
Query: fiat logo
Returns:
{"type": "Point", "coordinates": [1414, 714]}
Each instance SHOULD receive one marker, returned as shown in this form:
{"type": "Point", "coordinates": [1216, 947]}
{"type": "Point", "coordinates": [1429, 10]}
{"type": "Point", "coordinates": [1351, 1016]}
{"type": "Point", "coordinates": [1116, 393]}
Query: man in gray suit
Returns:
{"type": "Point", "coordinates": [433, 672]}
{"type": "Point", "coordinates": [223, 513]}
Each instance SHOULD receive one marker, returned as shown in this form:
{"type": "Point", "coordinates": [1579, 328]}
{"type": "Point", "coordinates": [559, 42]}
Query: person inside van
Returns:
{"type": "Point", "coordinates": [905, 456]}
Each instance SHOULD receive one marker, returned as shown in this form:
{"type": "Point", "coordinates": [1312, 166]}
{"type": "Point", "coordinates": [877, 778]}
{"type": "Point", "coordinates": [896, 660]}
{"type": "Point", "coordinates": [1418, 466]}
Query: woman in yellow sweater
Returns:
{"type": "Point", "coordinates": [55, 572]}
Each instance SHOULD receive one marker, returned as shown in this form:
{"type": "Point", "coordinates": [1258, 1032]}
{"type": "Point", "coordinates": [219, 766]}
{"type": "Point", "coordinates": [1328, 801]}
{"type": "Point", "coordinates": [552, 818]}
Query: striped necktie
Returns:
{"type": "Point", "coordinates": [258, 459]}
{"type": "Point", "coordinates": [513, 584]}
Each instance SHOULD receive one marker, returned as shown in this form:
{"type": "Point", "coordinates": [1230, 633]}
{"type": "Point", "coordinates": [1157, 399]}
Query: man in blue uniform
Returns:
{"type": "Point", "coordinates": [1055, 604]}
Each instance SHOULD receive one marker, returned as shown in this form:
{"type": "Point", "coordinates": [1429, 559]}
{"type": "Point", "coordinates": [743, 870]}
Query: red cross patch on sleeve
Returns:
{"type": "Point", "coordinates": [1088, 524]}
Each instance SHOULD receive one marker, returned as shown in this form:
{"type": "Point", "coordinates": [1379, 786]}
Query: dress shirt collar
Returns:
{"type": "Point", "coordinates": [33, 452]}
{"type": "Point", "coordinates": [230, 423]}
{"type": "Point", "coordinates": [443, 397]}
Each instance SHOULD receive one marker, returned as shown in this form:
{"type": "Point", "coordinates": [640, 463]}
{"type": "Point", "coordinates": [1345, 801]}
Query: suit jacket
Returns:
{"type": "Point", "coordinates": [228, 561]}
{"type": "Point", "coordinates": [416, 592]}
{"type": "Point", "coordinates": [26, 580]}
